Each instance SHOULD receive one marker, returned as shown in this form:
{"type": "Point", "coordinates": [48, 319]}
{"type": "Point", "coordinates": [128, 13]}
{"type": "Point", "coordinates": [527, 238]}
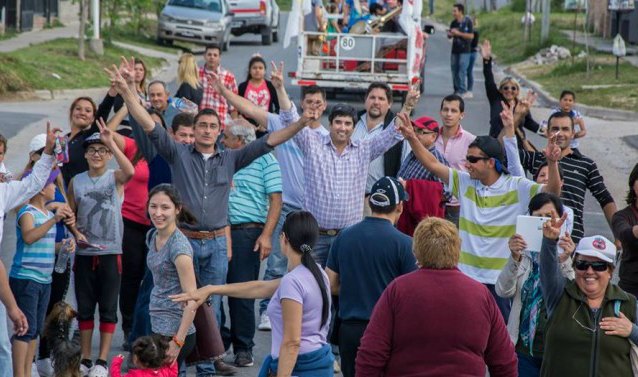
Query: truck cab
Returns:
{"type": "Point", "coordinates": [256, 17]}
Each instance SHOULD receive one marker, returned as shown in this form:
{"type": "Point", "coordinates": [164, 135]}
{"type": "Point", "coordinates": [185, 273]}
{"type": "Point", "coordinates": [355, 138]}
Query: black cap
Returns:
{"type": "Point", "coordinates": [92, 139]}
{"type": "Point", "coordinates": [493, 149]}
{"type": "Point", "coordinates": [387, 191]}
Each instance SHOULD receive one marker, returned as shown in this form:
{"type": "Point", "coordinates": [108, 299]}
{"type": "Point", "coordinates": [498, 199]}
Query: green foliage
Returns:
{"type": "Point", "coordinates": [33, 67]}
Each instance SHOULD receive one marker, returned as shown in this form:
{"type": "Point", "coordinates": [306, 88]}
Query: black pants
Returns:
{"type": "Point", "coordinates": [187, 348]}
{"type": "Point", "coordinates": [244, 266]}
{"type": "Point", "coordinates": [59, 286]}
{"type": "Point", "coordinates": [133, 266]}
{"type": "Point", "coordinates": [97, 282]}
{"type": "Point", "coordinates": [350, 333]}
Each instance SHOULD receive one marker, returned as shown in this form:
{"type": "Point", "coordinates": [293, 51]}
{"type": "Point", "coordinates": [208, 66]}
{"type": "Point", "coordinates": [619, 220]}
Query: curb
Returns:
{"type": "Point", "coordinates": [592, 111]}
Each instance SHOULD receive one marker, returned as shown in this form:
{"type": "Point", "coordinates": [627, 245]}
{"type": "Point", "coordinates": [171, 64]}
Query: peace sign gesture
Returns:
{"type": "Point", "coordinates": [277, 75]}
{"type": "Point", "coordinates": [551, 228]}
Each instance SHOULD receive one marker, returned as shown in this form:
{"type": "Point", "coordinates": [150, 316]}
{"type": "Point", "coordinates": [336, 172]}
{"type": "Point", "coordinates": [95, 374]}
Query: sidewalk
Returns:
{"type": "Point", "coordinates": [22, 40]}
{"type": "Point", "coordinates": [603, 45]}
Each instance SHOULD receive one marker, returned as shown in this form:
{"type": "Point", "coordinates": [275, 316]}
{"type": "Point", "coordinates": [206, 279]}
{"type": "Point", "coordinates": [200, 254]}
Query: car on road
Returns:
{"type": "Point", "coordinates": [197, 21]}
{"type": "Point", "coordinates": [257, 17]}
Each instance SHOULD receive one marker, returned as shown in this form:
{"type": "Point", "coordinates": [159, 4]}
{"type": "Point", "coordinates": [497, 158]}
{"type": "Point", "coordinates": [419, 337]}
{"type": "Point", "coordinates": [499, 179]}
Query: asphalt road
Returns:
{"type": "Point", "coordinates": [438, 83]}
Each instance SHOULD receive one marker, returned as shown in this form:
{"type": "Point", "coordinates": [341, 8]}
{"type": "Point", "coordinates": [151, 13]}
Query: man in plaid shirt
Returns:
{"type": "Point", "coordinates": [213, 99]}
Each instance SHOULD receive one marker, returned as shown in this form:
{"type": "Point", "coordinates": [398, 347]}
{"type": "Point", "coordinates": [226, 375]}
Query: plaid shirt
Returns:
{"type": "Point", "coordinates": [411, 168]}
{"type": "Point", "coordinates": [335, 183]}
{"type": "Point", "coordinates": [213, 100]}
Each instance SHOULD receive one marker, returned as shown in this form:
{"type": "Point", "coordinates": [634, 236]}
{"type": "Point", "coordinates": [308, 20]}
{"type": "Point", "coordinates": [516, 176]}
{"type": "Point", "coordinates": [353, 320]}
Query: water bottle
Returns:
{"type": "Point", "coordinates": [184, 105]}
{"type": "Point", "coordinates": [63, 258]}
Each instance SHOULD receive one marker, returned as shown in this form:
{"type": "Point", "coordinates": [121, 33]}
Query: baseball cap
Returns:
{"type": "Point", "coordinates": [493, 149]}
{"type": "Point", "coordinates": [426, 123]}
{"type": "Point", "coordinates": [387, 191]}
{"type": "Point", "coordinates": [597, 246]}
{"type": "Point", "coordinates": [38, 142]}
{"type": "Point", "coordinates": [93, 139]}
{"type": "Point", "coordinates": [52, 176]}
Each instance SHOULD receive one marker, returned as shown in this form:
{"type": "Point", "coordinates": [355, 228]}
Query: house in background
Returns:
{"type": "Point", "coordinates": [25, 15]}
{"type": "Point", "coordinates": [625, 23]}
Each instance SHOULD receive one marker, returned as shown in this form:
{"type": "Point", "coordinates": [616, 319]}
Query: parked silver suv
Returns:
{"type": "Point", "coordinates": [257, 17]}
{"type": "Point", "coordinates": [198, 21]}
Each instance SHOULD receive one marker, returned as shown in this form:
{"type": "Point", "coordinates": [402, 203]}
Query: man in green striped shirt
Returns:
{"type": "Point", "coordinates": [491, 199]}
{"type": "Point", "coordinates": [254, 206]}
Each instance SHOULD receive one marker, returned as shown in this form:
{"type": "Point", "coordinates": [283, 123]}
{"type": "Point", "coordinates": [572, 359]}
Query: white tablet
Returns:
{"type": "Point", "coordinates": [531, 228]}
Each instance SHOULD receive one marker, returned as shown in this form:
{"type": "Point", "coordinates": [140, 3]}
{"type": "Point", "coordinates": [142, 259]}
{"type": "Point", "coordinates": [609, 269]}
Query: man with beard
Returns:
{"type": "Point", "coordinates": [376, 118]}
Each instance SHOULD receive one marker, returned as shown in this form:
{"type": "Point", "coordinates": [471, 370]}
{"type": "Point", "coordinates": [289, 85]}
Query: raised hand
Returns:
{"type": "Point", "coordinates": [404, 125]}
{"type": "Point", "coordinates": [277, 75]}
{"type": "Point", "coordinates": [106, 135]}
{"type": "Point", "coordinates": [551, 227]}
{"type": "Point", "coordinates": [117, 81]}
{"type": "Point", "coordinates": [213, 80]}
{"type": "Point", "coordinates": [486, 49]}
{"type": "Point", "coordinates": [568, 246]}
{"type": "Point", "coordinates": [517, 245]}
{"type": "Point", "coordinates": [412, 98]}
{"type": "Point", "coordinates": [51, 136]}
{"type": "Point", "coordinates": [507, 116]}
{"type": "Point", "coordinates": [552, 150]}
{"type": "Point", "coordinates": [127, 70]}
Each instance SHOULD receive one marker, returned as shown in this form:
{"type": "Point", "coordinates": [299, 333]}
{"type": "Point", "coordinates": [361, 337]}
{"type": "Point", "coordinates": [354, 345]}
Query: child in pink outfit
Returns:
{"type": "Point", "coordinates": [149, 353]}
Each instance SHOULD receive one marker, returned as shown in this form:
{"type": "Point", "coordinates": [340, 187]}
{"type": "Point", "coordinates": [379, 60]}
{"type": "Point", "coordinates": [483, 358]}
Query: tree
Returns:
{"type": "Point", "coordinates": [84, 15]}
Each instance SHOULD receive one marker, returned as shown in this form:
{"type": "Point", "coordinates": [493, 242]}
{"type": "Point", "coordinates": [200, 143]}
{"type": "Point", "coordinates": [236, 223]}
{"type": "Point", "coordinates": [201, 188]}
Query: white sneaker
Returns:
{"type": "Point", "coordinates": [45, 368]}
{"type": "Point", "coordinates": [84, 370]}
{"type": "Point", "coordinates": [264, 322]}
{"type": "Point", "coordinates": [98, 371]}
{"type": "Point", "coordinates": [467, 95]}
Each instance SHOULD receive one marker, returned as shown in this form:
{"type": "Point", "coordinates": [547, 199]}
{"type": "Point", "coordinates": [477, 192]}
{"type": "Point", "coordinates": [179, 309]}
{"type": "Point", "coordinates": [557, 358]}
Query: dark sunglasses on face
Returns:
{"type": "Point", "coordinates": [512, 88]}
{"type": "Point", "coordinates": [475, 159]}
{"type": "Point", "coordinates": [582, 265]}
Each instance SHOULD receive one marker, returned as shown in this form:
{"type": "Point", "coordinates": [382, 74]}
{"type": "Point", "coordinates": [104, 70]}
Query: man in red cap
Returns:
{"type": "Point", "coordinates": [426, 130]}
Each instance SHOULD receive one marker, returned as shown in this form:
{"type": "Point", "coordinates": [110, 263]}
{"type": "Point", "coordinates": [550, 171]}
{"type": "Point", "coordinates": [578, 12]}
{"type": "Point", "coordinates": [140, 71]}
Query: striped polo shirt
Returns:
{"type": "Point", "coordinates": [35, 261]}
{"type": "Point", "coordinates": [580, 174]}
{"type": "Point", "coordinates": [248, 200]}
{"type": "Point", "coordinates": [487, 220]}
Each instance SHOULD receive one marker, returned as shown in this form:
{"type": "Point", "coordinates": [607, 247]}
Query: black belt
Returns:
{"type": "Point", "coordinates": [329, 232]}
{"type": "Point", "coordinates": [247, 226]}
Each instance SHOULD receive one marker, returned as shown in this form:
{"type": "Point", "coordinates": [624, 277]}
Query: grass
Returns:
{"type": "Point", "coordinates": [10, 33]}
{"type": "Point", "coordinates": [34, 67]}
{"type": "Point", "coordinates": [624, 96]}
{"type": "Point", "coordinates": [146, 38]}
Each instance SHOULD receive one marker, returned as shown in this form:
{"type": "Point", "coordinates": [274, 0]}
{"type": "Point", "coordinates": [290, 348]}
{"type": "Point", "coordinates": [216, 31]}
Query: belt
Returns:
{"type": "Point", "coordinates": [329, 232]}
{"type": "Point", "coordinates": [247, 226]}
{"type": "Point", "coordinates": [204, 234]}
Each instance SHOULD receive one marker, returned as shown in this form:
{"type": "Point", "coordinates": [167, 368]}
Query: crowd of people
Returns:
{"type": "Point", "coordinates": [390, 243]}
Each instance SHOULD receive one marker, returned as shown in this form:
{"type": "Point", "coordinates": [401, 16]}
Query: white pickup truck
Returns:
{"type": "Point", "coordinates": [354, 61]}
{"type": "Point", "coordinates": [257, 17]}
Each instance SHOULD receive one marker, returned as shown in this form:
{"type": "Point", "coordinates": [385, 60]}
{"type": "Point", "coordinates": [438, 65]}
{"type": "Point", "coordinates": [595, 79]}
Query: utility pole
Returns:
{"type": "Point", "coordinates": [545, 22]}
{"type": "Point", "coordinates": [96, 43]}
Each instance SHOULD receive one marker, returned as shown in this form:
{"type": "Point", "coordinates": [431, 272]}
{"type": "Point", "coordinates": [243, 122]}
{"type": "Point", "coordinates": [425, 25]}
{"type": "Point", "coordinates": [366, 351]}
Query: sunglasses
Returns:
{"type": "Point", "coordinates": [420, 131]}
{"type": "Point", "coordinates": [512, 88]}
{"type": "Point", "coordinates": [475, 159]}
{"type": "Point", "coordinates": [582, 265]}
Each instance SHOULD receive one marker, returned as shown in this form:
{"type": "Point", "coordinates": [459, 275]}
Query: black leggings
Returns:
{"type": "Point", "coordinates": [133, 267]}
{"type": "Point", "coordinates": [59, 287]}
{"type": "Point", "coordinates": [97, 282]}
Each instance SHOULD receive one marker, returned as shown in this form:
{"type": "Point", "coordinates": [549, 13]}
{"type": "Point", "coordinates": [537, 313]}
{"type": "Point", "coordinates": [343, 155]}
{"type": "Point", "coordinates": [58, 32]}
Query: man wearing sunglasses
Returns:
{"type": "Point", "coordinates": [490, 199]}
{"type": "Point", "coordinates": [581, 173]}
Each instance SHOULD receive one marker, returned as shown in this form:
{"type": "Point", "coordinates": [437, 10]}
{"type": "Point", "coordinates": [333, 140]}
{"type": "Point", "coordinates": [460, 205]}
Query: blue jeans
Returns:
{"type": "Point", "coordinates": [243, 267]}
{"type": "Point", "coordinates": [470, 71]}
{"type": "Point", "coordinates": [322, 249]}
{"type": "Point", "coordinates": [6, 365]}
{"type": "Point", "coordinates": [211, 267]}
{"type": "Point", "coordinates": [459, 64]}
{"type": "Point", "coordinates": [276, 263]}
{"type": "Point", "coordinates": [529, 366]}
{"type": "Point", "coordinates": [32, 298]}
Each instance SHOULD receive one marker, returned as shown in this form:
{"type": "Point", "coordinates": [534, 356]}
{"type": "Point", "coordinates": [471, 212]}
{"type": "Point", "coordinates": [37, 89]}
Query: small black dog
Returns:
{"type": "Point", "coordinates": [65, 353]}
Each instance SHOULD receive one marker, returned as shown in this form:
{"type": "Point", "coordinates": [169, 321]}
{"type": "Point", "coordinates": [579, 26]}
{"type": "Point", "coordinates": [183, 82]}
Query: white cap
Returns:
{"type": "Point", "coordinates": [38, 142]}
{"type": "Point", "coordinates": [599, 247]}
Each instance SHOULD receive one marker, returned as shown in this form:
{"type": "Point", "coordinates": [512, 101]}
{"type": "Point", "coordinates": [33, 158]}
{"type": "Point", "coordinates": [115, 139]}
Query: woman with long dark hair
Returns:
{"type": "Point", "coordinates": [299, 308]}
{"type": "Point", "coordinates": [258, 90]}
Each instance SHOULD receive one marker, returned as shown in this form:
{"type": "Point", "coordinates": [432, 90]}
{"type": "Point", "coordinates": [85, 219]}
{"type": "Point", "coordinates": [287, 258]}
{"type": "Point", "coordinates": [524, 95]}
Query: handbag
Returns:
{"type": "Point", "coordinates": [208, 339]}
{"type": "Point", "coordinates": [633, 351]}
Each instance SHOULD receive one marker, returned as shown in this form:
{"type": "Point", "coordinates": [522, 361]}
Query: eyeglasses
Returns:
{"type": "Point", "coordinates": [475, 159]}
{"type": "Point", "coordinates": [512, 88]}
{"type": "Point", "coordinates": [420, 131]}
{"type": "Point", "coordinates": [583, 265]}
{"type": "Point", "coordinates": [99, 151]}
{"type": "Point", "coordinates": [580, 324]}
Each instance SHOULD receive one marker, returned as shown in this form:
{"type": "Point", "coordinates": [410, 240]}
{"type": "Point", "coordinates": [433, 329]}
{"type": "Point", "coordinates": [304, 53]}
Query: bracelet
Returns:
{"type": "Point", "coordinates": [179, 343]}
